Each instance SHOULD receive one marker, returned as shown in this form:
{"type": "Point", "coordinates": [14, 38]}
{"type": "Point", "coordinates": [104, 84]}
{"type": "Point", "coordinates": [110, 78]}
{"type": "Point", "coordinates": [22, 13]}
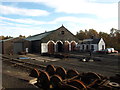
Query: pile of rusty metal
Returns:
{"type": "Point", "coordinates": [59, 78]}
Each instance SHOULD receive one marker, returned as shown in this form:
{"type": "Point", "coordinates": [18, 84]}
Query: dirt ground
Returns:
{"type": "Point", "coordinates": [105, 64]}
{"type": "Point", "coordinates": [15, 78]}
{"type": "Point", "coordinates": [108, 65]}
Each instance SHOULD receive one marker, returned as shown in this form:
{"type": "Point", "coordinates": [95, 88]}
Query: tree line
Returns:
{"type": "Point", "coordinates": [112, 40]}
{"type": "Point", "coordinates": [7, 37]}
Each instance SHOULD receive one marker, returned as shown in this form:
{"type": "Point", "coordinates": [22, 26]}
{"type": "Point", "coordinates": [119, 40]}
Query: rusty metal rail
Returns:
{"type": "Point", "coordinates": [20, 63]}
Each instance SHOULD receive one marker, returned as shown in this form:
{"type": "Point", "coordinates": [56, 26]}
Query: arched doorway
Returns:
{"type": "Point", "coordinates": [66, 47]}
{"type": "Point", "coordinates": [73, 45]}
{"type": "Point", "coordinates": [51, 48]}
{"type": "Point", "coordinates": [59, 47]}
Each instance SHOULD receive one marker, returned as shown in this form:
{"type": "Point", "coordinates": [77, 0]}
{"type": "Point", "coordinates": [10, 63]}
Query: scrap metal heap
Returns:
{"type": "Point", "coordinates": [59, 78]}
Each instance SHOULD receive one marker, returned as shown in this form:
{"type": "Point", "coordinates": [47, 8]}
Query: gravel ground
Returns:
{"type": "Point", "coordinates": [107, 66]}
{"type": "Point", "coordinates": [12, 78]}
{"type": "Point", "coordinates": [13, 82]}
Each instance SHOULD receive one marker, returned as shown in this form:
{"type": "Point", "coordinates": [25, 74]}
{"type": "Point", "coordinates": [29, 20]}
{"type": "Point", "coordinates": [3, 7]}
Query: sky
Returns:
{"type": "Point", "coordinates": [30, 17]}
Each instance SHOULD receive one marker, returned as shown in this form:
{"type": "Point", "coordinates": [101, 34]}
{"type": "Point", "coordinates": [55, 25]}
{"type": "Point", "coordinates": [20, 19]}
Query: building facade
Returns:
{"type": "Point", "coordinates": [59, 40]}
{"type": "Point", "coordinates": [14, 45]}
{"type": "Point", "coordinates": [92, 44]}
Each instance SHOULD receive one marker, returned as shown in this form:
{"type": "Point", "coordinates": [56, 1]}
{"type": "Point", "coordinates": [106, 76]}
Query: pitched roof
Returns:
{"type": "Point", "coordinates": [38, 36]}
{"type": "Point", "coordinates": [8, 39]}
{"type": "Point", "coordinates": [12, 39]}
{"type": "Point", "coordinates": [94, 41]}
{"type": "Point", "coordinates": [43, 35]}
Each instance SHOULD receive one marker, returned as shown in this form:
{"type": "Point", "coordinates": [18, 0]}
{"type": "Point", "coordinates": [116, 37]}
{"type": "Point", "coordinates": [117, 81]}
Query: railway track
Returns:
{"type": "Point", "coordinates": [58, 77]}
{"type": "Point", "coordinates": [21, 63]}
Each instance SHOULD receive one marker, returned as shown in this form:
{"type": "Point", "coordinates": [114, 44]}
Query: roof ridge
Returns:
{"type": "Point", "coordinates": [39, 36]}
{"type": "Point", "coordinates": [47, 31]}
{"type": "Point", "coordinates": [41, 33]}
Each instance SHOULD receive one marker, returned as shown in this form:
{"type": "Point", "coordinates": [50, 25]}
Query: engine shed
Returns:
{"type": "Point", "coordinates": [59, 40]}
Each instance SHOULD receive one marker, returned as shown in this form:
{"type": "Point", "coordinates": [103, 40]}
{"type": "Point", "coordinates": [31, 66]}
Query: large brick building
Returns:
{"type": "Point", "coordinates": [59, 40]}
{"type": "Point", "coordinates": [14, 45]}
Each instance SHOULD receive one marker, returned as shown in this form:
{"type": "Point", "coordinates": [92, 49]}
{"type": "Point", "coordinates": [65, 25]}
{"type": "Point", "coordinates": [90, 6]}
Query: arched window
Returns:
{"type": "Point", "coordinates": [83, 47]}
{"type": "Point", "coordinates": [103, 47]}
{"type": "Point", "coordinates": [87, 47]}
{"type": "Point", "coordinates": [92, 47]}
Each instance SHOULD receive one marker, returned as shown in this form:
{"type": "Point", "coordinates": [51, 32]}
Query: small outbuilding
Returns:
{"type": "Point", "coordinates": [14, 46]}
{"type": "Point", "coordinates": [59, 40]}
{"type": "Point", "coordinates": [94, 44]}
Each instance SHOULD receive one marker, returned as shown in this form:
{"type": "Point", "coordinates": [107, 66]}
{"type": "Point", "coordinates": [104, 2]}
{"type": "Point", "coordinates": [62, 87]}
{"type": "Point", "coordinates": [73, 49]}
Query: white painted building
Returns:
{"type": "Point", "coordinates": [92, 44]}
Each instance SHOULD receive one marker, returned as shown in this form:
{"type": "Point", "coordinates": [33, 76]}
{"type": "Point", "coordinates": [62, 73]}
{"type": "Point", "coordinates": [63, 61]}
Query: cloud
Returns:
{"type": "Point", "coordinates": [19, 29]}
{"type": "Point", "coordinates": [9, 24]}
{"type": "Point", "coordinates": [16, 31]}
{"type": "Point", "coordinates": [105, 1]}
{"type": "Point", "coordinates": [74, 19]}
{"type": "Point", "coordinates": [106, 9]}
{"type": "Point", "coordinates": [75, 24]}
{"type": "Point", "coordinates": [30, 21]}
{"type": "Point", "coordinates": [29, 26]}
{"type": "Point", "coordinates": [110, 1]}
{"type": "Point", "coordinates": [23, 21]}
{"type": "Point", "coordinates": [7, 10]}
{"type": "Point", "coordinates": [106, 16]}
{"type": "Point", "coordinates": [102, 10]}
